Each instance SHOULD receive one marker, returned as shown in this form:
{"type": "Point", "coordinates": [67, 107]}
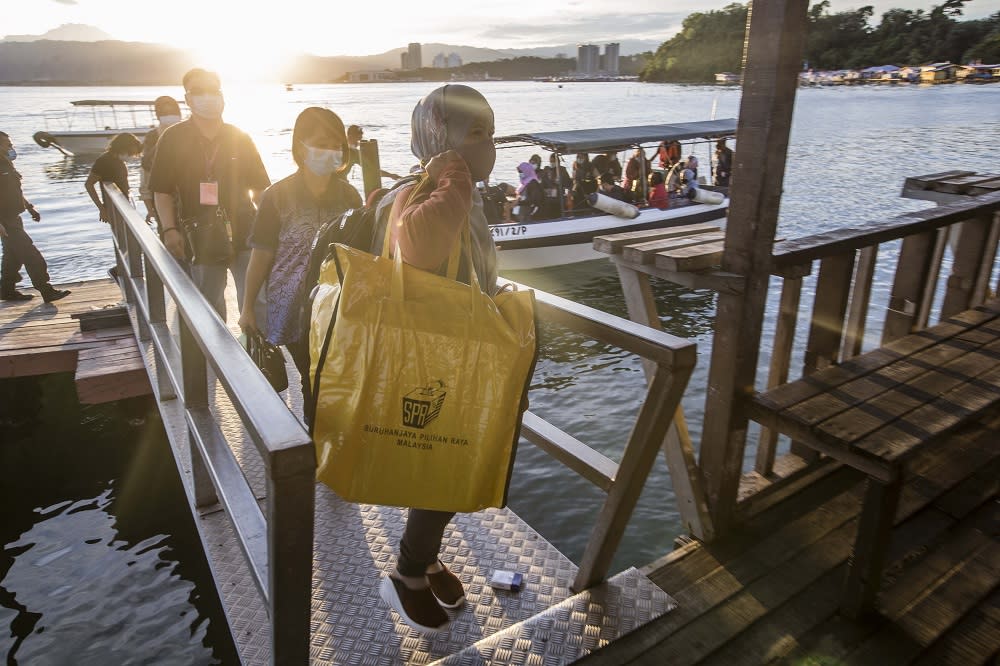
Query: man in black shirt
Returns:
{"type": "Point", "coordinates": [216, 174]}
{"type": "Point", "coordinates": [18, 248]}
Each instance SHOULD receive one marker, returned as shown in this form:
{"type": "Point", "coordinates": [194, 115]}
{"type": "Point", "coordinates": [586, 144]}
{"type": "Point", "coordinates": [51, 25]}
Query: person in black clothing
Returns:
{"type": "Point", "coordinates": [530, 195]}
{"type": "Point", "coordinates": [723, 163]}
{"type": "Point", "coordinates": [110, 168]}
{"type": "Point", "coordinates": [216, 174]}
{"type": "Point", "coordinates": [18, 248]}
{"type": "Point", "coordinates": [168, 112]}
{"type": "Point", "coordinates": [612, 189]}
{"type": "Point", "coordinates": [584, 183]}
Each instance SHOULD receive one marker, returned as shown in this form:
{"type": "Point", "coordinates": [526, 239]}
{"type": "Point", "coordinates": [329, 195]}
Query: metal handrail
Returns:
{"type": "Point", "coordinates": [278, 541]}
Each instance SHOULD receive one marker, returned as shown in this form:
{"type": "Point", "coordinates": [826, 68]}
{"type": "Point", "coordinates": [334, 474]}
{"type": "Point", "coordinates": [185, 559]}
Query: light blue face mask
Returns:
{"type": "Point", "coordinates": [12, 154]}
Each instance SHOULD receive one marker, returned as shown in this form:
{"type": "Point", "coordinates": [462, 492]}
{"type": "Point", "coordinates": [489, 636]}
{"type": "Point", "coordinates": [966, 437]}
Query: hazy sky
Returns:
{"type": "Point", "coordinates": [240, 31]}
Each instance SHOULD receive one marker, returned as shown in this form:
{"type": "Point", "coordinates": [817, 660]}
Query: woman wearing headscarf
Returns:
{"type": "Point", "coordinates": [530, 195]}
{"type": "Point", "coordinates": [452, 136]}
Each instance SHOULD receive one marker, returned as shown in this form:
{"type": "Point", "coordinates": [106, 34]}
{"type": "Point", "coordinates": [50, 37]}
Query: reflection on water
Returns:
{"type": "Point", "coordinates": [69, 168]}
{"type": "Point", "coordinates": [100, 562]}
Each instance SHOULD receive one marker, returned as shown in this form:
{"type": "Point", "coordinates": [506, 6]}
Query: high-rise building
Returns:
{"type": "Point", "coordinates": [587, 59]}
{"type": "Point", "coordinates": [440, 61]}
{"type": "Point", "coordinates": [415, 61]}
{"type": "Point", "coordinates": [611, 58]}
{"type": "Point", "coordinates": [404, 60]}
{"type": "Point", "coordinates": [454, 60]}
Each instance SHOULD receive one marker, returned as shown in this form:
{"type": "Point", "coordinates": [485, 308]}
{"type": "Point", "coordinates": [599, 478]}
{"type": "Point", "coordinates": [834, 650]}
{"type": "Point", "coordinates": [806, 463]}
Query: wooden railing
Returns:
{"type": "Point", "coordinates": [847, 264]}
{"type": "Point", "coordinates": [278, 542]}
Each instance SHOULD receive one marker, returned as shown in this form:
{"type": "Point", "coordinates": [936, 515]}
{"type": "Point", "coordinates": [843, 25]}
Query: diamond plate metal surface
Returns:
{"type": "Point", "coordinates": [355, 546]}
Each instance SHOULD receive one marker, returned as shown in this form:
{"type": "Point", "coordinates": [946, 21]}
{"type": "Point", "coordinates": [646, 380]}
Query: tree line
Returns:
{"type": "Point", "coordinates": [711, 42]}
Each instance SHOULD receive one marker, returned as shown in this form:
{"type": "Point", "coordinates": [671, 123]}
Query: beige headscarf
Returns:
{"type": "Point", "coordinates": [440, 122]}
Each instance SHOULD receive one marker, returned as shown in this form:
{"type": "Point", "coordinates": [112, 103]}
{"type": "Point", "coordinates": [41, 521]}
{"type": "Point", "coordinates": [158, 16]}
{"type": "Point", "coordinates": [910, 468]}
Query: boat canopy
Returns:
{"type": "Point", "coordinates": [112, 102]}
{"type": "Point", "coordinates": [619, 138]}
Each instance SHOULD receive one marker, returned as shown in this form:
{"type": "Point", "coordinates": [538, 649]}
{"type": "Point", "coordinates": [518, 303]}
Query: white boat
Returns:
{"type": "Point", "coordinates": [569, 238]}
{"type": "Point", "coordinates": [104, 125]}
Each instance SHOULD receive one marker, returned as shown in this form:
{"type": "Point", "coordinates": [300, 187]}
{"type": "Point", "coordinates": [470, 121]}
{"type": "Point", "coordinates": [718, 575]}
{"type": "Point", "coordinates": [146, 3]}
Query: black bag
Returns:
{"type": "Point", "coordinates": [269, 359]}
{"type": "Point", "coordinates": [209, 236]}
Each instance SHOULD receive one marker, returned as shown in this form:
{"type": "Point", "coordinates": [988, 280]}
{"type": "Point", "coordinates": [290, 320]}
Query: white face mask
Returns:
{"type": "Point", "coordinates": [208, 107]}
{"type": "Point", "coordinates": [167, 121]}
{"type": "Point", "coordinates": [322, 161]}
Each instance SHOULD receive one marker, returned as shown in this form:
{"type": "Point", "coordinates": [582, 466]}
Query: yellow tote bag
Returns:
{"type": "Point", "coordinates": [420, 386]}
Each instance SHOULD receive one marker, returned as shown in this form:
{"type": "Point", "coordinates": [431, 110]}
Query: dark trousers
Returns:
{"type": "Point", "coordinates": [421, 542]}
{"type": "Point", "coordinates": [299, 351]}
{"type": "Point", "coordinates": [19, 250]}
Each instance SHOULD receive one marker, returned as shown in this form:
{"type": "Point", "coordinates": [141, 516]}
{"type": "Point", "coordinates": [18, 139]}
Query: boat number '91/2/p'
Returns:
{"type": "Point", "coordinates": [509, 230]}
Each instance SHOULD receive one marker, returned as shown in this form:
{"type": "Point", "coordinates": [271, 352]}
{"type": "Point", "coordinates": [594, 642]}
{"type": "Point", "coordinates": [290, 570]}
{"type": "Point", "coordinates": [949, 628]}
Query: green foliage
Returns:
{"type": "Point", "coordinates": [707, 43]}
{"type": "Point", "coordinates": [712, 42]}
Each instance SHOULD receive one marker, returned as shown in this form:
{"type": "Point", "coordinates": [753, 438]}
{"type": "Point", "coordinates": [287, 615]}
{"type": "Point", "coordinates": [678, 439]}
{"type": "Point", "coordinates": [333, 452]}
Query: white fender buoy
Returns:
{"type": "Point", "coordinates": [613, 206]}
{"type": "Point", "coordinates": [707, 196]}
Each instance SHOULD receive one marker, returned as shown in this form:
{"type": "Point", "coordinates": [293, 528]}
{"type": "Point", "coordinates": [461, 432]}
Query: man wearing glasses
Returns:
{"type": "Point", "coordinates": [216, 173]}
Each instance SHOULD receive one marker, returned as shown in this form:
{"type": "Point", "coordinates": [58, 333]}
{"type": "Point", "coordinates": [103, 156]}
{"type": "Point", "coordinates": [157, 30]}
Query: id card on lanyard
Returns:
{"type": "Point", "coordinates": [208, 189]}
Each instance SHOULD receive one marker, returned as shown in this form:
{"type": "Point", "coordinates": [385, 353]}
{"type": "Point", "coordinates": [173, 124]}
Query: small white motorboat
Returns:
{"type": "Point", "coordinates": [93, 140]}
{"type": "Point", "coordinates": [569, 238]}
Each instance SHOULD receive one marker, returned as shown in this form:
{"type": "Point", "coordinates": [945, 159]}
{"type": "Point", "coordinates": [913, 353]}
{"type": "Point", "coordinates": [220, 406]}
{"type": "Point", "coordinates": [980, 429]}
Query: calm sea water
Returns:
{"type": "Point", "coordinates": [850, 150]}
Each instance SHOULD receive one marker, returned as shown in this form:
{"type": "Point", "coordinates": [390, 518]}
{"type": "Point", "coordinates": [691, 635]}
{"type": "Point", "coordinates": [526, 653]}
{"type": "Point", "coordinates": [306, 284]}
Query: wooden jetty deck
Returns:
{"type": "Point", "coordinates": [39, 338]}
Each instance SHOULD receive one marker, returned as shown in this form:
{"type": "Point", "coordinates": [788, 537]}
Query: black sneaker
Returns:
{"type": "Point", "coordinates": [417, 608]}
{"type": "Point", "coordinates": [15, 296]}
{"type": "Point", "coordinates": [55, 294]}
{"type": "Point", "coordinates": [446, 586]}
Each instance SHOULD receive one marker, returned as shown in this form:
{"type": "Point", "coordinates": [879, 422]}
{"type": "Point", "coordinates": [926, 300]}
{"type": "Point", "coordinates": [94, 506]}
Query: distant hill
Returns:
{"type": "Point", "coordinates": [107, 62]}
{"type": "Point", "coordinates": [68, 32]}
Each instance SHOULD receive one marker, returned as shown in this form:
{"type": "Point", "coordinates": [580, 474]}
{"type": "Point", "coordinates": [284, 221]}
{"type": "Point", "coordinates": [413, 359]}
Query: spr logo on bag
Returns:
{"type": "Point", "coordinates": [422, 405]}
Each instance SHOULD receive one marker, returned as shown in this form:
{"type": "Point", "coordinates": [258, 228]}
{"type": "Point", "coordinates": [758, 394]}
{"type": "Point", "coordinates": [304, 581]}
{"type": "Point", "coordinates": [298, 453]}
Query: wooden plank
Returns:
{"type": "Point", "coordinates": [57, 360]}
{"type": "Point", "coordinates": [969, 260]}
{"type": "Point", "coordinates": [922, 318]}
{"type": "Point", "coordinates": [817, 246]}
{"type": "Point", "coordinates": [832, 291]}
{"type": "Point", "coordinates": [857, 315]}
{"type": "Point", "coordinates": [614, 243]}
{"type": "Point", "coordinates": [921, 182]}
{"type": "Point", "coordinates": [104, 388]}
{"type": "Point", "coordinates": [912, 576]}
{"type": "Point", "coordinates": [686, 579]}
{"type": "Point", "coordinates": [781, 355]}
{"type": "Point", "coordinates": [908, 288]}
{"type": "Point", "coordinates": [645, 253]}
{"type": "Point", "coordinates": [975, 639]}
{"type": "Point", "coordinates": [965, 585]}
{"type": "Point", "coordinates": [988, 187]}
{"type": "Point", "coordinates": [980, 288]}
{"type": "Point", "coordinates": [775, 40]}
{"type": "Point", "coordinates": [829, 379]}
{"type": "Point", "coordinates": [687, 259]}
{"type": "Point", "coordinates": [961, 184]}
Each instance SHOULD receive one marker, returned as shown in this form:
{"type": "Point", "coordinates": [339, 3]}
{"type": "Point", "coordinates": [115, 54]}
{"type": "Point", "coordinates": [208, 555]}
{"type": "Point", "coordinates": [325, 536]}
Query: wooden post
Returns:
{"type": "Point", "coordinates": [773, 54]}
{"type": "Point", "coordinates": [678, 450]}
{"type": "Point", "coordinates": [371, 168]}
{"type": "Point", "coordinates": [784, 337]}
{"type": "Point", "coordinates": [864, 570]}
{"type": "Point", "coordinates": [916, 264]}
{"type": "Point", "coordinates": [854, 332]}
{"type": "Point", "coordinates": [970, 254]}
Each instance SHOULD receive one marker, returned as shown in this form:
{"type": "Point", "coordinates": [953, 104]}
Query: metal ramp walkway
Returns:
{"type": "Point", "coordinates": [354, 545]}
{"type": "Point", "coordinates": [297, 569]}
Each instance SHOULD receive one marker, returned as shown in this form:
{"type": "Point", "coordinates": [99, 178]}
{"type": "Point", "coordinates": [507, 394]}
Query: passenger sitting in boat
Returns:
{"type": "Point", "coordinates": [610, 188]}
{"type": "Point", "coordinates": [559, 175]}
{"type": "Point", "coordinates": [536, 161]}
{"type": "Point", "coordinates": [550, 207]}
{"type": "Point", "coordinates": [673, 180]}
{"type": "Point", "coordinates": [669, 154]}
{"type": "Point", "coordinates": [530, 195]}
{"type": "Point", "coordinates": [110, 167]}
{"type": "Point", "coordinates": [689, 180]}
{"type": "Point", "coordinates": [584, 183]}
{"type": "Point", "coordinates": [636, 166]}
{"type": "Point", "coordinates": [601, 165]}
{"type": "Point", "coordinates": [692, 163]}
{"type": "Point", "coordinates": [614, 166]}
{"type": "Point", "coordinates": [658, 197]}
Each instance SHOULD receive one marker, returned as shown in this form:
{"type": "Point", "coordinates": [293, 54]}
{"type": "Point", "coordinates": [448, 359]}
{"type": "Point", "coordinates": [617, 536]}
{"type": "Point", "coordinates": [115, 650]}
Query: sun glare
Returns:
{"type": "Point", "coordinates": [244, 65]}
